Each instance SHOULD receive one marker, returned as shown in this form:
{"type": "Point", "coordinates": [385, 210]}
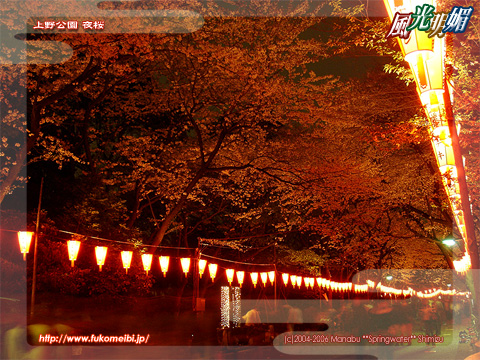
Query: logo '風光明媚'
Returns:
{"type": "Point", "coordinates": [434, 23]}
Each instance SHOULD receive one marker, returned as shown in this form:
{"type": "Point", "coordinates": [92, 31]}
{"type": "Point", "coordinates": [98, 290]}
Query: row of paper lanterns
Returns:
{"type": "Point", "coordinates": [425, 56]}
{"type": "Point", "coordinates": [73, 246]}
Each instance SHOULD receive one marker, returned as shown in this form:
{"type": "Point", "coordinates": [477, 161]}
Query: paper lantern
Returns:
{"type": "Point", "coordinates": [100, 254]}
{"type": "Point", "coordinates": [73, 247]}
{"type": "Point", "coordinates": [319, 282]}
{"type": "Point", "coordinates": [312, 282]}
{"type": "Point", "coordinates": [147, 262]}
{"type": "Point", "coordinates": [212, 269]}
{"type": "Point", "coordinates": [240, 277]}
{"type": "Point", "coordinates": [418, 43]}
{"type": "Point", "coordinates": [164, 260]}
{"type": "Point", "coordinates": [442, 134]}
{"type": "Point", "coordinates": [285, 278]}
{"type": "Point", "coordinates": [299, 281]}
{"type": "Point", "coordinates": [24, 240]}
{"type": "Point", "coordinates": [202, 263]}
{"type": "Point", "coordinates": [264, 277]}
{"type": "Point", "coordinates": [185, 265]}
{"type": "Point", "coordinates": [271, 276]}
{"type": "Point", "coordinates": [230, 274]}
{"type": "Point", "coordinates": [126, 259]}
{"type": "Point", "coordinates": [254, 277]}
{"type": "Point", "coordinates": [293, 279]}
{"type": "Point", "coordinates": [445, 157]}
{"type": "Point", "coordinates": [428, 72]}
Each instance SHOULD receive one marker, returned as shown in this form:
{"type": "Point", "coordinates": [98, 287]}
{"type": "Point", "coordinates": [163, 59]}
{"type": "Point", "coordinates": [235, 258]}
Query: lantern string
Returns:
{"type": "Point", "coordinates": [14, 231]}
{"type": "Point", "coordinates": [235, 262]}
{"type": "Point", "coordinates": [227, 246]}
{"type": "Point", "coordinates": [421, 294]}
{"type": "Point", "coordinates": [125, 242]}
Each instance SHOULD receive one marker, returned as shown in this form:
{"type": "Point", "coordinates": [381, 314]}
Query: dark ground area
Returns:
{"type": "Point", "coordinates": [158, 317]}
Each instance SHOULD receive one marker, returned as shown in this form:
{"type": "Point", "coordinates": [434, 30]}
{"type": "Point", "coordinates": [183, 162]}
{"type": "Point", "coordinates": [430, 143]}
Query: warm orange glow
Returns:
{"type": "Point", "coordinates": [185, 265]}
{"type": "Point", "coordinates": [418, 42]}
{"type": "Point", "coordinates": [311, 282]}
{"type": "Point", "coordinates": [100, 254]}
{"type": "Point", "coordinates": [126, 259]}
{"type": "Point", "coordinates": [264, 277]}
{"type": "Point", "coordinates": [240, 277]}
{"type": "Point", "coordinates": [271, 276]}
{"type": "Point", "coordinates": [212, 269]}
{"type": "Point", "coordinates": [202, 263]}
{"type": "Point", "coordinates": [319, 282]}
{"type": "Point", "coordinates": [428, 72]}
{"type": "Point", "coordinates": [24, 240]}
{"type": "Point", "coordinates": [285, 278]}
{"type": "Point", "coordinates": [230, 274]}
{"type": "Point", "coordinates": [442, 134]}
{"type": "Point", "coordinates": [73, 247]}
{"type": "Point", "coordinates": [254, 277]}
{"type": "Point", "coordinates": [147, 262]}
{"type": "Point", "coordinates": [164, 260]}
{"type": "Point", "coordinates": [463, 264]}
{"type": "Point", "coordinates": [299, 281]}
{"type": "Point", "coordinates": [444, 156]}
{"type": "Point", "coordinates": [293, 279]}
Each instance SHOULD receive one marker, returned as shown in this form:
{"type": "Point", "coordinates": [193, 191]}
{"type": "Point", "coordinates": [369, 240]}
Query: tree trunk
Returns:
{"type": "Point", "coordinates": [158, 237]}
{"type": "Point", "coordinates": [133, 216]}
{"type": "Point", "coordinates": [13, 173]}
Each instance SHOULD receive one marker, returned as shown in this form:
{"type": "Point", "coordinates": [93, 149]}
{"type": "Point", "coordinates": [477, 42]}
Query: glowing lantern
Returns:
{"type": "Point", "coordinates": [185, 265]}
{"type": "Point", "coordinates": [73, 247]}
{"type": "Point", "coordinates": [240, 277]}
{"type": "Point", "coordinates": [271, 276]}
{"type": "Point", "coordinates": [293, 279]}
{"type": "Point", "coordinates": [310, 282]}
{"type": "Point", "coordinates": [126, 260]}
{"type": "Point", "coordinates": [24, 240]}
{"type": "Point", "coordinates": [254, 277]}
{"type": "Point", "coordinates": [147, 262]}
{"type": "Point", "coordinates": [100, 254]}
{"type": "Point", "coordinates": [328, 284]}
{"type": "Point", "coordinates": [429, 72]}
{"type": "Point", "coordinates": [202, 263]}
{"type": "Point", "coordinates": [264, 277]}
{"type": "Point", "coordinates": [442, 133]}
{"type": "Point", "coordinates": [418, 42]}
{"type": "Point", "coordinates": [445, 157]}
{"type": "Point", "coordinates": [299, 281]}
{"type": "Point", "coordinates": [212, 269]}
{"type": "Point", "coordinates": [463, 264]}
{"type": "Point", "coordinates": [230, 274]}
{"type": "Point", "coordinates": [285, 279]}
{"type": "Point", "coordinates": [319, 282]}
{"type": "Point", "coordinates": [164, 260]}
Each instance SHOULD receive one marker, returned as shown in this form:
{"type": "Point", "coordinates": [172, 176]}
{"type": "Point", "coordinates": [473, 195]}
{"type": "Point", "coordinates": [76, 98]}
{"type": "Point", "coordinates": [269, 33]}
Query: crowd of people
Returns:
{"type": "Point", "coordinates": [359, 317]}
